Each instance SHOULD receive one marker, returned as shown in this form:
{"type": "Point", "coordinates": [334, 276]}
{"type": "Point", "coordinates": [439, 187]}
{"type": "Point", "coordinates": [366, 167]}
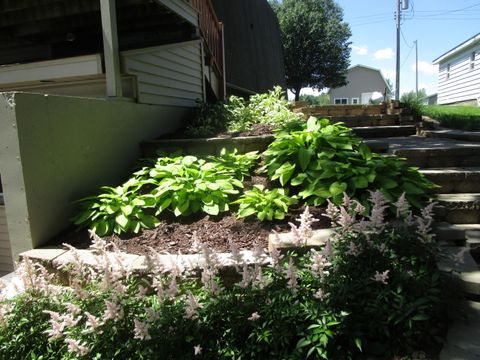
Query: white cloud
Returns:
{"type": "Point", "coordinates": [384, 54]}
{"type": "Point", "coordinates": [426, 68]}
{"type": "Point", "coordinates": [388, 74]}
{"type": "Point", "coordinates": [360, 50]}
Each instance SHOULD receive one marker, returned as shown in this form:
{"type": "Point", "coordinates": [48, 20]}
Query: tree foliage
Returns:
{"type": "Point", "coordinates": [315, 43]}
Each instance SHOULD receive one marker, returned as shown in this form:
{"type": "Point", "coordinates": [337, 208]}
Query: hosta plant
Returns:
{"type": "Point", "coordinates": [264, 203]}
{"type": "Point", "coordinates": [321, 161]}
{"type": "Point", "coordinates": [233, 163]}
{"type": "Point", "coordinates": [120, 209]}
{"type": "Point", "coordinates": [190, 184]}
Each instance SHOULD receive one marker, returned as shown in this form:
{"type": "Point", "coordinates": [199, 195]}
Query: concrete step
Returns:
{"type": "Point", "coordinates": [464, 337]}
{"type": "Point", "coordinates": [452, 134]}
{"type": "Point", "coordinates": [445, 156]}
{"type": "Point", "coordinates": [451, 352]}
{"type": "Point", "coordinates": [458, 234]}
{"type": "Point", "coordinates": [365, 120]}
{"type": "Point", "coordinates": [459, 263]}
{"type": "Point", "coordinates": [458, 208]}
{"type": "Point", "coordinates": [368, 132]}
{"type": "Point", "coordinates": [454, 180]}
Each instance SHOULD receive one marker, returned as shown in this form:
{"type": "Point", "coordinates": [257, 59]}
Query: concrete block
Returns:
{"type": "Point", "coordinates": [43, 255]}
{"type": "Point", "coordinates": [284, 241]}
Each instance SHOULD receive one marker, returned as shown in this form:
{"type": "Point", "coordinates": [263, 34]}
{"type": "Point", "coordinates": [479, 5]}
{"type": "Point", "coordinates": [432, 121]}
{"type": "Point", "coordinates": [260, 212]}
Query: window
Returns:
{"type": "Point", "coordinates": [448, 71]}
{"type": "Point", "coordinates": [341, 101]}
{"type": "Point", "coordinates": [472, 60]}
{"type": "Point", "coordinates": [355, 101]}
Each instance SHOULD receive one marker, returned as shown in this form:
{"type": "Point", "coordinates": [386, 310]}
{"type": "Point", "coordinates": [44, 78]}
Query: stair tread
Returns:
{"type": "Point", "coordinates": [452, 170]}
{"type": "Point", "coordinates": [458, 197]}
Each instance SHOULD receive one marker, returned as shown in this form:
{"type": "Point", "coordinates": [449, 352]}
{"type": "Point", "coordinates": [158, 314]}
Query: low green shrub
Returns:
{"type": "Point", "coordinates": [322, 161]}
{"type": "Point", "coordinates": [209, 119]}
{"type": "Point", "coordinates": [455, 117]}
{"type": "Point", "coordinates": [373, 290]}
{"type": "Point", "coordinates": [266, 204]}
{"type": "Point", "coordinates": [411, 101]}
{"type": "Point", "coordinates": [269, 109]}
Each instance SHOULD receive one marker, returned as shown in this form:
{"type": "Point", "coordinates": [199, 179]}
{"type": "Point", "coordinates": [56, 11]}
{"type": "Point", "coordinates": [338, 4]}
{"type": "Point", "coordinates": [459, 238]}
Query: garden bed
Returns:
{"type": "Point", "coordinates": [174, 235]}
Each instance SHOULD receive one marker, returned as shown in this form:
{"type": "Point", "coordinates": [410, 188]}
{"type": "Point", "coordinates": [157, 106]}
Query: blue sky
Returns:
{"type": "Point", "coordinates": [437, 25]}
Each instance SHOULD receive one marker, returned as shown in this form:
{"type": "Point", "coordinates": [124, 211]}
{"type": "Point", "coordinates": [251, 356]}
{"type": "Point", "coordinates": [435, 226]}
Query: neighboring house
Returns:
{"type": "Point", "coordinates": [459, 73]}
{"type": "Point", "coordinates": [362, 82]}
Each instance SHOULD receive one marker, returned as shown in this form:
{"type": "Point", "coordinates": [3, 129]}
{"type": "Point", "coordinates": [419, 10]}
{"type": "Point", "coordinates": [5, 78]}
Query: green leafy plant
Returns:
{"type": "Point", "coordinates": [209, 119]}
{"type": "Point", "coordinates": [233, 163]}
{"type": "Point", "coordinates": [119, 210]}
{"type": "Point", "coordinates": [454, 117]}
{"type": "Point", "coordinates": [322, 161]}
{"type": "Point", "coordinates": [269, 109]}
{"type": "Point", "coordinates": [265, 204]}
{"type": "Point", "coordinates": [189, 184]}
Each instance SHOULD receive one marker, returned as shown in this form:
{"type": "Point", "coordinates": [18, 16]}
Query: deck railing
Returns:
{"type": "Point", "coordinates": [212, 31]}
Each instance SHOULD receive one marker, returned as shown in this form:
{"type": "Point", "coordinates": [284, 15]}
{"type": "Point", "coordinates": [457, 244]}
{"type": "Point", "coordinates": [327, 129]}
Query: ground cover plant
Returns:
{"type": "Point", "coordinates": [455, 117]}
{"type": "Point", "coordinates": [372, 290]}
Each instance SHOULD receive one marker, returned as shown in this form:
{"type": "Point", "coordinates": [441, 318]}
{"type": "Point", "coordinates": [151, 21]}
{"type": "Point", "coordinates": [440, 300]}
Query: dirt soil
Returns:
{"type": "Point", "coordinates": [174, 235]}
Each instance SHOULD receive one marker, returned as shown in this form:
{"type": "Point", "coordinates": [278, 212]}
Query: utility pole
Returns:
{"type": "Point", "coordinates": [416, 68]}
{"type": "Point", "coordinates": [401, 5]}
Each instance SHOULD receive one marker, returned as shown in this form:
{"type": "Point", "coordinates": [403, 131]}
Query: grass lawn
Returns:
{"type": "Point", "coordinates": [455, 117]}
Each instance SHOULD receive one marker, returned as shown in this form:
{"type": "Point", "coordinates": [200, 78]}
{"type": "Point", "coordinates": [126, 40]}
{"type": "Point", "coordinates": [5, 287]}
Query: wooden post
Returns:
{"type": "Point", "coordinates": [110, 48]}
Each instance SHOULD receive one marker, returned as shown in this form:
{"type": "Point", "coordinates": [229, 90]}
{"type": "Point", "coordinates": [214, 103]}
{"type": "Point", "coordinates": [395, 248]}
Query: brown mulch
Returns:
{"type": "Point", "coordinates": [174, 235]}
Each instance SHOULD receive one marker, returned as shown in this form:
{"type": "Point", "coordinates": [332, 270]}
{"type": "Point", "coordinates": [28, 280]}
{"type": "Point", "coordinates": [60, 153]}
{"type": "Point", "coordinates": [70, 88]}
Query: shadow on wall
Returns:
{"type": "Point", "coordinates": [56, 149]}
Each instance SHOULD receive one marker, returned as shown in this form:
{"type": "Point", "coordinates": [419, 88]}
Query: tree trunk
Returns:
{"type": "Point", "coordinates": [296, 91]}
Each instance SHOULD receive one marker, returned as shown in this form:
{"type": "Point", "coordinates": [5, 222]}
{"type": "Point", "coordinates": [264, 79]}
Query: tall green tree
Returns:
{"type": "Point", "coordinates": [315, 43]}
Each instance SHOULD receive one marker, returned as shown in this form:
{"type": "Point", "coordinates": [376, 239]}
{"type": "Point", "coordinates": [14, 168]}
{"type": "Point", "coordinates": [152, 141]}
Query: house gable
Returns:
{"type": "Point", "coordinates": [459, 73]}
{"type": "Point", "coordinates": [360, 80]}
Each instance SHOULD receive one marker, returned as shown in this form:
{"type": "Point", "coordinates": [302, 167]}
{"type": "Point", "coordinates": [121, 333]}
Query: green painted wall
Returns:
{"type": "Point", "coordinates": [55, 149]}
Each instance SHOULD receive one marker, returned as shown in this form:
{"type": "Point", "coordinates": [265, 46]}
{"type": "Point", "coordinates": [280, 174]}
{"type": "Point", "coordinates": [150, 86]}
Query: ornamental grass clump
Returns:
{"type": "Point", "coordinates": [372, 289]}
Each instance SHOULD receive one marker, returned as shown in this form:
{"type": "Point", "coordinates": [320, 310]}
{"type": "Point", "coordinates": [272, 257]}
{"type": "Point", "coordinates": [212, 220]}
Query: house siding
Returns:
{"type": "Point", "coordinates": [6, 262]}
{"type": "Point", "coordinates": [359, 80]}
{"type": "Point", "coordinates": [463, 84]}
{"type": "Point", "coordinates": [167, 75]}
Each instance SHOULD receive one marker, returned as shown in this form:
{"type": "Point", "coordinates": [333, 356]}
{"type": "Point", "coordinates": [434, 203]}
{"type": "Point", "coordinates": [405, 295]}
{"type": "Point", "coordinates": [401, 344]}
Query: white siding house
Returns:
{"type": "Point", "coordinates": [362, 83]}
{"type": "Point", "coordinates": [459, 73]}
{"type": "Point", "coordinates": [6, 260]}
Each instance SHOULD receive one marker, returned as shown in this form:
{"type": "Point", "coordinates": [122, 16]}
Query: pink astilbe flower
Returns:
{"type": "Point", "coordinates": [236, 256]}
{"type": "Point", "coordinates": [56, 325]}
{"type": "Point", "coordinates": [113, 311]}
{"type": "Point", "coordinates": [318, 263]}
{"type": "Point", "coordinates": [332, 212]}
{"type": "Point", "coordinates": [381, 277]}
{"type": "Point", "coordinates": [254, 317]}
{"type": "Point", "coordinates": [151, 315]}
{"type": "Point", "coordinates": [92, 324]}
{"type": "Point", "coordinates": [303, 232]}
{"type": "Point", "coordinates": [197, 350]}
{"type": "Point", "coordinates": [345, 219]}
{"type": "Point", "coordinates": [275, 257]}
{"type": "Point", "coordinates": [192, 306]}
{"type": "Point", "coordinates": [208, 281]}
{"type": "Point", "coordinates": [142, 292]}
{"type": "Point", "coordinates": [73, 309]}
{"type": "Point", "coordinates": [172, 290]}
{"type": "Point", "coordinates": [247, 277]}
{"type": "Point", "coordinates": [196, 243]}
{"type": "Point", "coordinates": [258, 253]}
{"type": "Point", "coordinates": [353, 249]}
{"type": "Point", "coordinates": [320, 295]}
{"type": "Point", "coordinates": [291, 275]}
{"type": "Point", "coordinates": [402, 206]}
{"type": "Point", "coordinates": [377, 215]}
{"type": "Point", "coordinates": [141, 330]}
{"type": "Point", "coordinates": [424, 223]}
{"type": "Point", "coordinates": [77, 347]}
{"type": "Point", "coordinates": [359, 208]}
